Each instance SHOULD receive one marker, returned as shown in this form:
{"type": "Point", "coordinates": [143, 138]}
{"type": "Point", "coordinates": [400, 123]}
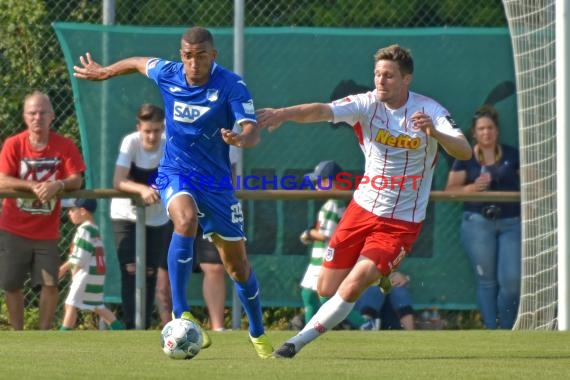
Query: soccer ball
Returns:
{"type": "Point", "coordinates": [181, 339]}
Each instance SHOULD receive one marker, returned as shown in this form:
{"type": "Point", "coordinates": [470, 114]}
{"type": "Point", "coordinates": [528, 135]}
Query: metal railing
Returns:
{"type": "Point", "coordinates": [140, 279]}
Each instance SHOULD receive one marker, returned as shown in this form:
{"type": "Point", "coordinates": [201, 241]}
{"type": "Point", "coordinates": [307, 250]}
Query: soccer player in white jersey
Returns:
{"type": "Point", "coordinates": [202, 102]}
{"type": "Point", "coordinates": [398, 132]}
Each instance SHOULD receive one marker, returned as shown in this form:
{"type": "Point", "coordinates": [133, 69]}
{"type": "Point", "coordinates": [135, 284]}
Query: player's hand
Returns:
{"type": "Point", "coordinates": [89, 69]}
{"type": "Point", "coordinates": [268, 118]}
{"type": "Point", "coordinates": [422, 121]}
{"type": "Point", "coordinates": [231, 137]}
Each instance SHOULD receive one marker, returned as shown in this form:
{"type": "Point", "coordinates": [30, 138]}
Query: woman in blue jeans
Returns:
{"type": "Point", "coordinates": [491, 232]}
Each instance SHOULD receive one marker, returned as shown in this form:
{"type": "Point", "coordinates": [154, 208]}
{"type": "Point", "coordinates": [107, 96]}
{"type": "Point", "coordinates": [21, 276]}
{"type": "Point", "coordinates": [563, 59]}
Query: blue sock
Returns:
{"type": "Point", "coordinates": [180, 256]}
{"type": "Point", "coordinates": [248, 293]}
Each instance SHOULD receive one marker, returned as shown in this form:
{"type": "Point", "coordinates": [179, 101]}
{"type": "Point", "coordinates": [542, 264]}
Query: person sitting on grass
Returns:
{"type": "Point", "coordinates": [87, 264]}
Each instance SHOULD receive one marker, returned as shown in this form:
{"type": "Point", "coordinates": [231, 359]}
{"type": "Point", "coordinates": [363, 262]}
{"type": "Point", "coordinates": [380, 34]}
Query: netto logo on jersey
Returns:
{"type": "Point", "coordinates": [401, 141]}
{"type": "Point", "coordinates": [188, 113]}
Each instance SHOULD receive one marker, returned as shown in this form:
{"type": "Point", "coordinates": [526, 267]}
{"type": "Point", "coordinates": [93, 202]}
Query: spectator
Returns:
{"type": "Point", "coordinates": [87, 264]}
{"type": "Point", "coordinates": [491, 233]}
{"type": "Point", "coordinates": [135, 170]}
{"type": "Point", "coordinates": [394, 309]}
{"type": "Point", "coordinates": [44, 163]}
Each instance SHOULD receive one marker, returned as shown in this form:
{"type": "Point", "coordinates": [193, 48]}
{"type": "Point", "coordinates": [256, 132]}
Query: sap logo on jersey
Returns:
{"type": "Point", "coordinates": [188, 113]}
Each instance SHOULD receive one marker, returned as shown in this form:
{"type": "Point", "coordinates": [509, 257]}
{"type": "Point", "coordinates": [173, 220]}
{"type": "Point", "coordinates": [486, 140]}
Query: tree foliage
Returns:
{"type": "Point", "coordinates": [376, 13]}
{"type": "Point", "coordinates": [30, 59]}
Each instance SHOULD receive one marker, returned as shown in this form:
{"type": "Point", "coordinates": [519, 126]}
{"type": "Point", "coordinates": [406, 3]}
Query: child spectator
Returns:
{"type": "Point", "coordinates": [87, 264]}
{"type": "Point", "coordinates": [324, 178]}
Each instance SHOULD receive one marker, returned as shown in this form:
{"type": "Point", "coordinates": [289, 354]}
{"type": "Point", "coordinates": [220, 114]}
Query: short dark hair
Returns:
{"type": "Point", "coordinates": [150, 112]}
{"type": "Point", "coordinates": [398, 54]}
{"type": "Point", "coordinates": [198, 35]}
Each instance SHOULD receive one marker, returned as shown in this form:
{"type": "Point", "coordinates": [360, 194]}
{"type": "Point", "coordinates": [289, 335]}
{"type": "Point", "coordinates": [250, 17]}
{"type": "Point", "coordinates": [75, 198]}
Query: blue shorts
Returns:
{"type": "Point", "coordinates": [219, 211]}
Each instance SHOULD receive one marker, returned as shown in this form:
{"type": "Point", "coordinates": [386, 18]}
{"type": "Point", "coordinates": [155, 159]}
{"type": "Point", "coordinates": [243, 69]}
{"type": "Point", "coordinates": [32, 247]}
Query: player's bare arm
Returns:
{"type": "Point", "coordinates": [457, 146]}
{"type": "Point", "coordinates": [272, 118]}
{"type": "Point", "coordinates": [91, 70]}
{"type": "Point", "coordinates": [248, 138]}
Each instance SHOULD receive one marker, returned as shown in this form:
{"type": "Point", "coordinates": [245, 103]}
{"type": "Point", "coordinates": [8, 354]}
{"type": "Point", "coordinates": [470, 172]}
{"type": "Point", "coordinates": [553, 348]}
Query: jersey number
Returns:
{"type": "Point", "coordinates": [237, 215]}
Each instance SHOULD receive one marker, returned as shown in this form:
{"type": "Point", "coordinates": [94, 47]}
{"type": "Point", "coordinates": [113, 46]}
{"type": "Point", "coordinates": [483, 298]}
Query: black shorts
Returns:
{"type": "Point", "coordinates": [204, 252]}
{"type": "Point", "coordinates": [157, 243]}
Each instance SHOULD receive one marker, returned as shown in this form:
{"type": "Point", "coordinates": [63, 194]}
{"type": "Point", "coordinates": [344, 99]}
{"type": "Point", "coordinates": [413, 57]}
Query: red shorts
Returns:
{"type": "Point", "coordinates": [383, 240]}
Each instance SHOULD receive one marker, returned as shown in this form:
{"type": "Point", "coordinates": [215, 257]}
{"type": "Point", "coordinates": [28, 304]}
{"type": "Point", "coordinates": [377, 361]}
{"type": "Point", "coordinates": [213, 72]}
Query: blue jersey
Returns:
{"type": "Point", "coordinates": [194, 116]}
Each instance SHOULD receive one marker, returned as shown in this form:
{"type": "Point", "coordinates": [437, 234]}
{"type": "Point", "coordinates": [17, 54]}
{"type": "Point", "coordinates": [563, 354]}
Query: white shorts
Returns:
{"type": "Point", "coordinates": [81, 299]}
{"type": "Point", "coordinates": [311, 277]}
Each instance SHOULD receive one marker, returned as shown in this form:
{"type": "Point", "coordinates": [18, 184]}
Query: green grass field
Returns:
{"type": "Point", "coordinates": [336, 355]}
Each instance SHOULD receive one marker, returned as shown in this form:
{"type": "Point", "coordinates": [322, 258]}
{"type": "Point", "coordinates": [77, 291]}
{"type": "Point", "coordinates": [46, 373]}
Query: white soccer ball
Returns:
{"type": "Point", "coordinates": [181, 339]}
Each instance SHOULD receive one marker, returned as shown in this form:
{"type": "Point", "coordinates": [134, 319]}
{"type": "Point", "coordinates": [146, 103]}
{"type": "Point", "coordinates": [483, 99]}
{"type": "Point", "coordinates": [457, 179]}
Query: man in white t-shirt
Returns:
{"type": "Point", "coordinates": [398, 132]}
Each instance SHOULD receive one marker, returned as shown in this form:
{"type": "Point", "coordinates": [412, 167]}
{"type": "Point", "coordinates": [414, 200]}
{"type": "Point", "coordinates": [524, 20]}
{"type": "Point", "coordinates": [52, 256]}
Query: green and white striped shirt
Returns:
{"type": "Point", "coordinates": [87, 256]}
{"type": "Point", "coordinates": [327, 220]}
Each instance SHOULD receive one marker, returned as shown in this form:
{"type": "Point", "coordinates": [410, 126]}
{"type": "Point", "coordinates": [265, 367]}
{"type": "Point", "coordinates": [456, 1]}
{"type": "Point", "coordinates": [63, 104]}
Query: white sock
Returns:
{"type": "Point", "coordinates": [330, 314]}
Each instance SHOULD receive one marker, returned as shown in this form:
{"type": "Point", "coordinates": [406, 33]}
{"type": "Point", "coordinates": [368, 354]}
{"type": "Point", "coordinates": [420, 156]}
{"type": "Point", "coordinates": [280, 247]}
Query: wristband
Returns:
{"type": "Point", "coordinates": [61, 185]}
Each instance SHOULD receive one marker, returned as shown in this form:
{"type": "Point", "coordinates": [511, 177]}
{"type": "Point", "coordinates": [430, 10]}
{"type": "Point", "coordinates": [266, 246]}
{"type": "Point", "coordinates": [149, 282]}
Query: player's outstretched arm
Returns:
{"type": "Point", "coordinates": [272, 118]}
{"type": "Point", "coordinates": [91, 70]}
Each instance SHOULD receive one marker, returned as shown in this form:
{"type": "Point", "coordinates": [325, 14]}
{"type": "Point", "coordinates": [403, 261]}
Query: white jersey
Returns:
{"type": "Point", "coordinates": [141, 163]}
{"type": "Point", "coordinates": [399, 159]}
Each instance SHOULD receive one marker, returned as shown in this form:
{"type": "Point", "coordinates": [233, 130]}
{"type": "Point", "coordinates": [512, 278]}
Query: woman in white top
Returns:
{"type": "Point", "coordinates": [135, 170]}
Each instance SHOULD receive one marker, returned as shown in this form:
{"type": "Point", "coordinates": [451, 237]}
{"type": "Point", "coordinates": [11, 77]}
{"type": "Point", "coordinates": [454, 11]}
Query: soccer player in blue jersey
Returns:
{"type": "Point", "coordinates": [202, 102]}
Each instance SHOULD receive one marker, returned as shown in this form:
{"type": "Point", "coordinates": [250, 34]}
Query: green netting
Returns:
{"type": "Point", "coordinates": [460, 67]}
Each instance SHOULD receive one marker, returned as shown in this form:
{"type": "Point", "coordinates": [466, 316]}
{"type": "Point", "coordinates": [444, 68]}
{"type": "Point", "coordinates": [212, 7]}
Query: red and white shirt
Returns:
{"type": "Point", "coordinates": [28, 217]}
{"type": "Point", "coordinates": [399, 159]}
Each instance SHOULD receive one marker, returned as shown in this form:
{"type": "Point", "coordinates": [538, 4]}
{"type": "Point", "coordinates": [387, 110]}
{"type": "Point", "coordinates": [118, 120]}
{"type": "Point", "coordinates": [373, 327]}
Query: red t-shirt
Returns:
{"type": "Point", "coordinates": [58, 160]}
